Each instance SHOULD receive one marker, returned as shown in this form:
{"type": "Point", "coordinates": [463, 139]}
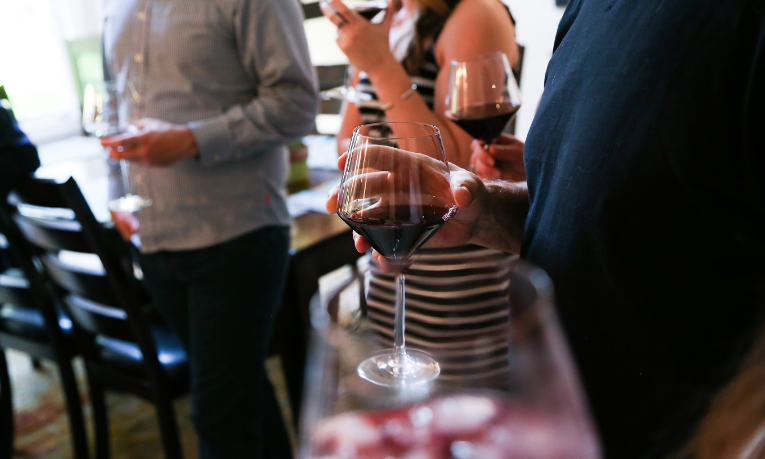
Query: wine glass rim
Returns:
{"type": "Point", "coordinates": [436, 130]}
{"type": "Point", "coordinates": [478, 56]}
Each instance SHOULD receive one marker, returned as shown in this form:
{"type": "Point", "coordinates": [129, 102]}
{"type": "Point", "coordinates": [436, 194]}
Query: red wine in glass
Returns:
{"type": "Point", "coordinates": [395, 192]}
{"type": "Point", "coordinates": [394, 233]}
{"type": "Point", "coordinates": [482, 95]}
{"type": "Point", "coordinates": [485, 121]}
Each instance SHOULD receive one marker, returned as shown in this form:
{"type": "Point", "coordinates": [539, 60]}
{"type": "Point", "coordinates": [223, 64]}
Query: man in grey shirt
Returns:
{"type": "Point", "coordinates": [220, 87]}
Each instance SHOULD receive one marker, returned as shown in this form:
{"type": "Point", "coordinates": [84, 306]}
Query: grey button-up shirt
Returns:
{"type": "Point", "coordinates": [238, 73]}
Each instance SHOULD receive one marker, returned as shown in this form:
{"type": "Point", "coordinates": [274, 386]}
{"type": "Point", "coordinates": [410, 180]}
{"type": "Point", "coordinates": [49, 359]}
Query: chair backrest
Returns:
{"type": "Point", "coordinates": [101, 296]}
{"type": "Point", "coordinates": [25, 286]}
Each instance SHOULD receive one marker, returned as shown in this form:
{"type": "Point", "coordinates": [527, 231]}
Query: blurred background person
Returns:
{"type": "Point", "coordinates": [221, 88]}
{"type": "Point", "coordinates": [401, 70]}
{"type": "Point", "coordinates": [18, 159]}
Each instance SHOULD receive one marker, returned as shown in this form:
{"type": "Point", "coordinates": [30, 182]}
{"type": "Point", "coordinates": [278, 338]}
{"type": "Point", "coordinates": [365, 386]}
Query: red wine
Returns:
{"type": "Point", "coordinates": [369, 12]}
{"type": "Point", "coordinates": [394, 231]}
{"type": "Point", "coordinates": [485, 121]}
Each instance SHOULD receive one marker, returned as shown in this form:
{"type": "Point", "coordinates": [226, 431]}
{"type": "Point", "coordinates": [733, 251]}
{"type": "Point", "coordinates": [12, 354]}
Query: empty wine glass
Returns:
{"type": "Point", "coordinates": [530, 406]}
{"type": "Point", "coordinates": [395, 191]}
{"type": "Point", "coordinates": [107, 110]}
{"type": "Point", "coordinates": [482, 95]}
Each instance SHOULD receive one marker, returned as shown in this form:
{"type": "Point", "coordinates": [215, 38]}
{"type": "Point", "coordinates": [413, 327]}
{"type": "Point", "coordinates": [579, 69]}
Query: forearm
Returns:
{"type": "Point", "coordinates": [505, 208]}
{"type": "Point", "coordinates": [391, 81]}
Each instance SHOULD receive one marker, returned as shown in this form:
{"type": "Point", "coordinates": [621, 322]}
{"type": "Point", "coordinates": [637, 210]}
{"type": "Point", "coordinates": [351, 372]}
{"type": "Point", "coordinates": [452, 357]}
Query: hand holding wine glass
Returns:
{"type": "Point", "coordinates": [483, 95]}
{"type": "Point", "coordinates": [106, 113]}
{"type": "Point", "coordinates": [396, 192]}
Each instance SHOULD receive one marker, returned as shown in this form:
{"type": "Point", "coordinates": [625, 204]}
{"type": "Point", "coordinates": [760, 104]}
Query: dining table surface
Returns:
{"type": "Point", "coordinates": [320, 242]}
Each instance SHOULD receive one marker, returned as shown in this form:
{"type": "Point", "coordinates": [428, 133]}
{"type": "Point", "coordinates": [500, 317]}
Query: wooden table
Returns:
{"type": "Point", "coordinates": [320, 243]}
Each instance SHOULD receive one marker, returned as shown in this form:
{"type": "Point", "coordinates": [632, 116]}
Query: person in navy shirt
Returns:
{"type": "Point", "coordinates": [645, 203]}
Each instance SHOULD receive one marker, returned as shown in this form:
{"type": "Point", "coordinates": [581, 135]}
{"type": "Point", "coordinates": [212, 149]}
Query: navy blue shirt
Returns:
{"type": "Point", "coordinates": [646, 183]}
{"type": "Point", "coordinates": [18, 157]}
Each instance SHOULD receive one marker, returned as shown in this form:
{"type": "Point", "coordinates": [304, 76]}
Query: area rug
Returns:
{"type": "Point", "coordinates": [42, 430]}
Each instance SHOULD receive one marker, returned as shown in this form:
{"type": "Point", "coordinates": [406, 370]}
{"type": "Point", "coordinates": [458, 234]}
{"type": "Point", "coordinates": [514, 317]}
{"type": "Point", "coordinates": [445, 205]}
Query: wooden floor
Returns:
{"type": "Point", "coordinates": [42, 431]}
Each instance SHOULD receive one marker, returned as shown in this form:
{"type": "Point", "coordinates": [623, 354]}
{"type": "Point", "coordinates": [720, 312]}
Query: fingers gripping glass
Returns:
{"type": "Point", "coordinates": [110, 109]}
{"type": "Point", "coordinates": [482, 95]}
{"type": "Point", "coordinates": [396, 192]}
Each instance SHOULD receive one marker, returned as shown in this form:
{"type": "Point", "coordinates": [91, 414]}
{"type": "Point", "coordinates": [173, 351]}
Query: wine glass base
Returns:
{"type": "Point", "coordinates": [399, 369]}
{"type": "Point", "coordinates": [129, 203]}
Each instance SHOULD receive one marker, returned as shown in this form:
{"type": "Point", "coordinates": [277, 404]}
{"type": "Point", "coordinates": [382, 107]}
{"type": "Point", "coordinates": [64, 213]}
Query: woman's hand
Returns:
{"type": "Point", "coordinates": [364, 43]}
{"type": "Point", "coordinates": [502, 160]}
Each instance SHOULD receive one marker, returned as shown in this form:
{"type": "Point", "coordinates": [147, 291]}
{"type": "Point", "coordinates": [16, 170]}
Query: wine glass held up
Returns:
{"type": "Point", "coordinates": [107, 109]}
{"type": "Point", "coordinates": [396, 192]}
{"type": "Point", "coordinates": [482, 95]}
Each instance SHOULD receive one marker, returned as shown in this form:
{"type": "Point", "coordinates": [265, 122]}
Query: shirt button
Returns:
{"type": "Point", "coordinates": [138, 58]}
{"type": "Point", "coordinates": [142, 15]}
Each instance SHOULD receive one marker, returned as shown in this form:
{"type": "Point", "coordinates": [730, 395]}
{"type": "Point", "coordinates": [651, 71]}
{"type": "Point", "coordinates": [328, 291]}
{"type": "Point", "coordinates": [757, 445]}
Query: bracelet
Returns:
{"type": "Point", "coordinates": [405, 95]}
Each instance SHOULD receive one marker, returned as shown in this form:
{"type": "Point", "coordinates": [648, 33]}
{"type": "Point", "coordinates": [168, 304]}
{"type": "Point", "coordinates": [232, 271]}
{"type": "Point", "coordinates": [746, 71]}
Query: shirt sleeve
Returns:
{"type": "Point", "coordinates": [274, 51]}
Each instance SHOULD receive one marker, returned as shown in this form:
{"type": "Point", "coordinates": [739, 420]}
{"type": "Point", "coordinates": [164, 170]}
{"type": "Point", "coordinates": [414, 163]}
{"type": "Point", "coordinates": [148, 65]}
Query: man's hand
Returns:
{"type": "Point", "coordinates": [126, 224]}
{"type": "Point", "coordinates": [155, 143]}
{"type": "Point", "coordinates": [467, 190]}
{"type": "Point", "coordinates": [503, 160]}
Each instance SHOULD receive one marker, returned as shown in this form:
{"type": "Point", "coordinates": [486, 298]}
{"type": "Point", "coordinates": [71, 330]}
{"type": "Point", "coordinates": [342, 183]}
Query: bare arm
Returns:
{"type": "Point", "coordinates": [476, 26]}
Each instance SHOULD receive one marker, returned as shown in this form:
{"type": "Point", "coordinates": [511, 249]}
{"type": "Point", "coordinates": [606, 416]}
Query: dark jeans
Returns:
{"type": "Point", "coordinates": [222, 301]}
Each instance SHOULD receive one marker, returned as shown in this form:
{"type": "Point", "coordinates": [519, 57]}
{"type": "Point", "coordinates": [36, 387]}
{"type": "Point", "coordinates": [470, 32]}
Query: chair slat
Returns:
{"type": "Point", "coordinates": [88, 284]}
{"type": "Point", "coordinates": [41, 193]}
{"type": "Point", "coordinates": [99, 319]}
{"type": "Point", "coordinates": [14, 289]}
{"type": "Point", "coordinates": [53, 235]}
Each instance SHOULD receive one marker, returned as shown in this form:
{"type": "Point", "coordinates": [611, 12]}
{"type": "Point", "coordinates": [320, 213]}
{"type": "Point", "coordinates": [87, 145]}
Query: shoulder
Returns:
{"type": "Point", "coordinates": [477, 26]}
{"type": "Point", "coordinates": [492, 14]}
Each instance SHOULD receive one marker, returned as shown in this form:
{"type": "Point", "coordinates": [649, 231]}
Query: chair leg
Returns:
{"type": "Point", "coordinates": [168, 426]}
{"type": "Point", "coordinates": [100, 419]}
{"type": "Point", "coordinates": [6, 409]}
{"type": "Point", "coordinates": [74, 409]}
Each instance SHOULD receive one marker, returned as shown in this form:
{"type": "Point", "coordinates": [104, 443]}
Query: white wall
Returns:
{"type": "Point", "coordinates": [537, 21]}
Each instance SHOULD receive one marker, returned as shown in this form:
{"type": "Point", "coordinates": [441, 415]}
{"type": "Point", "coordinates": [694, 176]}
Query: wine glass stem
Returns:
{"type": "Point", "coordinates": [125, 176]}
{"type": "Point", "coordinates": [399, 345]}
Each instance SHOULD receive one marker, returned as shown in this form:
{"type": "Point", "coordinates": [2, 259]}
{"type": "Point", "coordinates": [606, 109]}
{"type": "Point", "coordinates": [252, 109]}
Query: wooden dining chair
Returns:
{"type": "Point", "coordinates": [32, 322]}
{"type": "Point", "coordinates": [125, 345]}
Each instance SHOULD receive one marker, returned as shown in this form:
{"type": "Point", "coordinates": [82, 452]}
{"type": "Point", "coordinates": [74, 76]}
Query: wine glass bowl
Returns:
{"type": "Point", "coordinates": [100, 105]}
{"type": "Point", "coordinates": [109, 109]}
{"type": "Point", "coordinates": [482, 95]}
{"type": "Point", "coordinates": [396, 192]}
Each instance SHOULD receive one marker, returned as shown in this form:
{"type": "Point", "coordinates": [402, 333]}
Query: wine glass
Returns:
{"type": "Point", "coordinates": [106, 112]}
{"type": "Point", "coordinates": [395, 191]}
{"type": "Point", "coordinates": [370, 10]}
{"type": "Point", "coordinates": [529, 405]}
{"type": "Point", "coordinates": [482, 95]}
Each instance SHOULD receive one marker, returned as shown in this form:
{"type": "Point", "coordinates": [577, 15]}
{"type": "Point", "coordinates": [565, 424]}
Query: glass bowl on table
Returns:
{"type": "Point", "coordinates": [530, 407]}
